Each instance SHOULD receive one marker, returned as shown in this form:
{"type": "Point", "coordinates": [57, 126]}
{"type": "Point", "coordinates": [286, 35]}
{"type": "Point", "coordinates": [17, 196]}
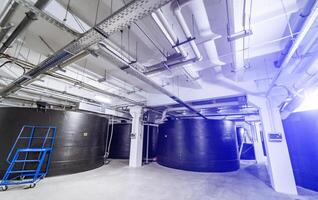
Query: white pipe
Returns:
{"type": "Point", "coordinates": [201, 18]}
{"type": "Point", "coordinates": [303, 32]}
{"type": "Point", "coordinates": [165, 27]}
{"type": "Point", "coordinates": [215, 105]}
{"type": "Point", "coordinates": [294, 68]}
{"type": "Point", "coordinates": [176, 7]}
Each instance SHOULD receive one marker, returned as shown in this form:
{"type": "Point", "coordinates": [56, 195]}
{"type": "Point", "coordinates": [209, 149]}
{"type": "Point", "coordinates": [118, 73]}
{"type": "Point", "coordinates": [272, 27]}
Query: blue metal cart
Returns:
{"type": "Point", "coordinates": [30, 156]}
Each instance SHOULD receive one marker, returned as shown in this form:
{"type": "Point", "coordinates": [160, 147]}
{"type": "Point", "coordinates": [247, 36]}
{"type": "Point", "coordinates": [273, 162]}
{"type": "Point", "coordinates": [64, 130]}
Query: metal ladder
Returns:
{"type": "Point", "coordinates": [30, 156]}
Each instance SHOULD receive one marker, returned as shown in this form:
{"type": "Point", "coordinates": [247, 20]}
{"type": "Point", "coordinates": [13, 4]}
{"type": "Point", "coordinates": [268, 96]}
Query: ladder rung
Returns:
{"type": "Point", "coordinates": [22, 171]}
{"type": "Point", "coordinates": [36, 137]}
{"type": "Point", "coordinates": [22, 161]}
{"type": "Point", "coordinates": [32, 174]}
{"type": "Point", "coordinates": [34, 150]}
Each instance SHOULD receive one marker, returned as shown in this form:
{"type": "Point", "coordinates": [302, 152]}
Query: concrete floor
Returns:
{"type": "Point", "coordinates": [118, 181]}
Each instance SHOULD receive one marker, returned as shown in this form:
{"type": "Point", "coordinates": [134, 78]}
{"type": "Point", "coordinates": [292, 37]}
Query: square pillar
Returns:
{"type": "Point", "coordinates": [136, 141]}
{"type": "Point", "coordinates": [278, 160]}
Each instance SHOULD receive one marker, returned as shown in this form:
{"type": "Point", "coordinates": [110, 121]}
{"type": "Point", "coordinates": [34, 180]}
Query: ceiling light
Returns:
{"type": "Point", "coordinates": [102, 99]}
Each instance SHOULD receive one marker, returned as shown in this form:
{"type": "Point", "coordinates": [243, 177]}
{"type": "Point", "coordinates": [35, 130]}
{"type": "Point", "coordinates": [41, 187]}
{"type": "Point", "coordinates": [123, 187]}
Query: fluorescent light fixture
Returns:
{"type": "Point", "coordinates": [310, 102]}
{"type": "Point", "coordinates": [102, 99]}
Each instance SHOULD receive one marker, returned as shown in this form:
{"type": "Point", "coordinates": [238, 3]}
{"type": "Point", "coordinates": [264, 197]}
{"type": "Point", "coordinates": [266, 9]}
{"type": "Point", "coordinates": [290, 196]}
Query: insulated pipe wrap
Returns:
{"type": "Point", "coordinates": [198, 145]}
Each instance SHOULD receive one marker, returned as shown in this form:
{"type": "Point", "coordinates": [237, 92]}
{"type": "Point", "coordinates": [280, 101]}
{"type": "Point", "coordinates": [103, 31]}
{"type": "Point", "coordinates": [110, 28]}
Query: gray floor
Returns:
{"type": "Point", "coordinates": [152, 182]}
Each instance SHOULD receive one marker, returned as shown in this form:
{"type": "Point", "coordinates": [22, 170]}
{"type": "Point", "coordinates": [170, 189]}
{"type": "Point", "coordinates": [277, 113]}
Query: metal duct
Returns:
{"type": "Point", "coordinates": [30, 16]}
{"type": "Point", "coordinates": [130, 13]}
{"type": "Point", "coordinates": [171, 66]}
{"type": "Point", "coordinates": [46, 17]}
{"type": "Point", "coordinates": [134, 72]}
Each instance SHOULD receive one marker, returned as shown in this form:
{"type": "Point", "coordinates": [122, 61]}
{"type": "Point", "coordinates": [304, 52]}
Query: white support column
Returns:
{"type": "Point", "coordinates": [136, 141]}
{"type": "Point", "coordinates": [278, 160]}
{"type": "Point", "coordinates": [257, 143]}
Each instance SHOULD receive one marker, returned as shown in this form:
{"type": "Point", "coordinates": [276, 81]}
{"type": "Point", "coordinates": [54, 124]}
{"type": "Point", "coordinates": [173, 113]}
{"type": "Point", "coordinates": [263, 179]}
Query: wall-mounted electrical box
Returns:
{"type": "Point", "coordinates": [275, 137]}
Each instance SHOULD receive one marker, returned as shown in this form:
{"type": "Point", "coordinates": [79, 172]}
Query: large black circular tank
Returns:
{"type": "Point", "coordinates": [120, 143]}
{"type": "Point", "coordinates": [79, 143]}
{"type": "Point", "coordinates": [198, 145]}
{"type": "Point", "coordinates": [150, 140]}
{"type": "Point", "coordinates": [239, 131]}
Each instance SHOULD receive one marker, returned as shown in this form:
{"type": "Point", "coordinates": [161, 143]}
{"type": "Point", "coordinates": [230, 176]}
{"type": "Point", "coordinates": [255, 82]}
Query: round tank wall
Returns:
{"type": "Point", "coordinates": [79, 143]}
{"type": "Point", "coordinates": [198, 145]}
{"type": "Point", "coordinates": [120, 143]}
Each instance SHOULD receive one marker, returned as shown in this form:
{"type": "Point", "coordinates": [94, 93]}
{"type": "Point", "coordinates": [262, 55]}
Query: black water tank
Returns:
{"type": "Point", "coordinates": [120, 144]}
{"type": "Point", "coordinates": [198, 145]}
{"type": "Point", "coordinates": [151, 132]}
{"type": "Point", "coordinates": [80, 137]}
{"type": "Point", "coordinates": [239, 134]}
{"type": "Point", "coordinates": [247, 152]}
{"type": "Point", "coordinates": [120, 141]}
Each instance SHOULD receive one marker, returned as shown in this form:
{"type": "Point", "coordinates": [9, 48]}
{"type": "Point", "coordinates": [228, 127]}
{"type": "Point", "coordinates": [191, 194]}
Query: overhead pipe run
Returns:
{"type": "Point", "coordinates": [171, 66]}
{"type": "Point", "coordinates": [5, 16]}
{"type": "Point", "coordinates": [30, 16]}
{"type": "Point", "coordinates": [163, 23]}
{"type": "Point", "coordinates": [296, 28]}
{"type": "Point", "coordinates": [40, 13]}
{"type": "Point", "coordinates": [199, 12]}
{"type": "Point", "coordinates": [303, 32]}
{"type": "Point", "coordinates": [165, 27]}
{"type": "Point", "coordinates": [201, 19]}
{"type": "Point", "coordinates": [206, 106]}
{"type": "Point", "coordinates": [106, 52]}
{"type": "Point", "coordinates": [176, 7]}
{"type": "Point", "coordinates": [122, 18]}
{"type": "Point", "coordinates": [71, 80]}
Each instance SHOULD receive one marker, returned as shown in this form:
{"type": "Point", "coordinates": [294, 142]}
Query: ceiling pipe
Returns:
{"type": "Point", "coordinates": [177, 7]}
{"type": "Point", "coordinates": [27, 20]}
{"type": "Point", "coordinates": [296, 28]}
{"type": "Point", "coordinates": [171, 66]}
{"type": "Point", "coordinates": [165, 27]}
{"type": "Point", "coordinates": [201, 19]}
{"type": "Point", "coordinates": [73, 81]}
{"type": "Point", "coordinates": [66, 29]}
{"type": "Point", "coordinates": [303, 32]}
{"type": "Point", "coordinates": [5, 16]}
{"type": "Point", "coordinates": [207, 106]}
{"type": "Point", "coordinates": [47, 17]}
{"type": "Point", "coordinates": [106, 52]}
{"type": "Point", "coordinates": [120, 19]}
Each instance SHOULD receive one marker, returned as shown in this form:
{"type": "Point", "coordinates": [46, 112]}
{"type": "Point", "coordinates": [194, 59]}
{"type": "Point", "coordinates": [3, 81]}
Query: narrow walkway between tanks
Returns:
{"type": "Point", "coordinates": [117, 181]}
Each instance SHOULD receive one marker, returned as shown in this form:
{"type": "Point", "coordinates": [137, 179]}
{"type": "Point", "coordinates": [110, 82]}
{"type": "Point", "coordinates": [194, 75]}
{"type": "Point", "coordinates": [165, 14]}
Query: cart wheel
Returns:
{"type": "Point", "coordinates": [32, 185]}
{"type": "Point", "coordinates": [4, 188]}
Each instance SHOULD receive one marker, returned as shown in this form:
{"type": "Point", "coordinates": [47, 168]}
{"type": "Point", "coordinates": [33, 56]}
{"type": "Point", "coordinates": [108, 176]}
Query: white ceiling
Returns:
{"type": "Point", "coordinates": [268, 23]}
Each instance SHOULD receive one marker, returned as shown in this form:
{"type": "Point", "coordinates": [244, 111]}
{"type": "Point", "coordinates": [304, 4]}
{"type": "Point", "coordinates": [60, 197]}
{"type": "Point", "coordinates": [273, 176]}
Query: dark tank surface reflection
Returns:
{"type": "Point", "coordinates": [80, 138]}
{"type": "Point", "coordinates": [198, 145]}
